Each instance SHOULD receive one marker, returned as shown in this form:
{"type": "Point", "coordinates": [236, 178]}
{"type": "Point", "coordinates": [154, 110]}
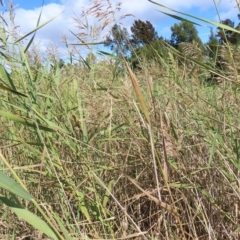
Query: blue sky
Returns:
{"type": "Point", "coordinates": [26, 4]}
{"type": "Point", "coordinates": [27, 12]}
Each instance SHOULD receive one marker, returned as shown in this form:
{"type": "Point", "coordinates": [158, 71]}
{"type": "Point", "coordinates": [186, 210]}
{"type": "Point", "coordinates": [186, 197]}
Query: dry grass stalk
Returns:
{"type": "Point", "coordinates": [193, 51]}
{"type": "Point", "coordinates": [105, 12]}
{"type": "Point", "coordinates": [138, 93]}
{"type": "Point", "coordinates": [164, 205]}
{"type": "Point", "coordinates": [228, 60]}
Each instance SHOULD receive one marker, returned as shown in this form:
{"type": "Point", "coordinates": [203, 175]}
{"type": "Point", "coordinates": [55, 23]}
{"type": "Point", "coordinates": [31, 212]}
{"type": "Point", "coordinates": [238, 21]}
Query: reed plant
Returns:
{"type": "Point", "coordinates": [88, 153]}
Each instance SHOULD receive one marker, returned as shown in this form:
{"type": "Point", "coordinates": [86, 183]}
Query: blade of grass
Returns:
{"type": "Point", "coordinates": [12, 91]}
{"type": "Point", "coordinates": [223, 26]}
{"type": "Point", "coordinates": [212, 150]}
{"type": "Point", "coordinates": [31, 40]}
{"type": "Point", "coordinates": [62, 227]}
{"type": "Point", "coordinates": [24, 121]}
{"type": "Point", "coordinates": [13, 187]}
{"type": "Point", "coordinates": [4, 160]}
{"type": "Point", "coordinates": [6, 76]}
{"type": "Point", "coordinates": [37, 28]}
{"type": "Point", "coordinates": [29, 217]}
{"type": "Point", "coordinates": [138, 93]}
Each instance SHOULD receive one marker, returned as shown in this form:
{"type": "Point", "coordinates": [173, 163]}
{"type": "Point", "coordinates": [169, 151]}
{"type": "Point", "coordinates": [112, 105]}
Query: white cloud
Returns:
{"type": "Point", "coordinates": [142, 9]}
{"type": "Point", "coordinates": [231, 14]}
{"type": "Point", "coordinates": [52, 32]}
{"type": "Point", "coordinates": [145, 9]}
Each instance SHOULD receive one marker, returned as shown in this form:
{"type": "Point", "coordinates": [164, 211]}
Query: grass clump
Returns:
{"type": "Point", "coordinates": [99, 151]}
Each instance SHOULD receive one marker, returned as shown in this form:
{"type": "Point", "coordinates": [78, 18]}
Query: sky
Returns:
{"type": "Point", "coordinates": [27, 12]}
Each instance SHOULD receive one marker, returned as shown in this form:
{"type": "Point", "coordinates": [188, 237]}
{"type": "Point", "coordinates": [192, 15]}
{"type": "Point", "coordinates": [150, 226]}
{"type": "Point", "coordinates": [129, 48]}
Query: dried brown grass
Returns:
{"type": "Point", "coordinates": [169, 171]}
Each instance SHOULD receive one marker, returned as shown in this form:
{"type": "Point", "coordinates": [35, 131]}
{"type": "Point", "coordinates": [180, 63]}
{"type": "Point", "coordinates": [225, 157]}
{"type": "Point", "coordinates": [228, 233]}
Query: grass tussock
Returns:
{"type": "Point", "coordinates": [101, 151]}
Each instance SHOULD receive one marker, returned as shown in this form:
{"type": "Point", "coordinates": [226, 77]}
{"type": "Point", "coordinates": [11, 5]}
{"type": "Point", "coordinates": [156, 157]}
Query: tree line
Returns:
{"type": "Point", "coordinates": [144, 39]}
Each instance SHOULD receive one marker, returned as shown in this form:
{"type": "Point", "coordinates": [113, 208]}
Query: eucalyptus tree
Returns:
{"type": "Point", "coordinates": [118, 40]}
{"type": "Point", "coordinates": [184, 32]}
{"type": "Point", "coordinates": [143, 33]}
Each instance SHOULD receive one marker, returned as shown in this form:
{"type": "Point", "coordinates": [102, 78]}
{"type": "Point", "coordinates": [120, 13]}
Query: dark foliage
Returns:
{"type": "Point", "coordinates": [184, 32]}
{"type": "Point", "coordinates": [212, 46]}
{"type": "Point", "coordinates": [225, 35]}
{"type": "Point", "coordinates": [118, 40]}
{"type": "Point", "coordinates": [154, 51]}
{"type": "Point", "coordinates": [143, 33]}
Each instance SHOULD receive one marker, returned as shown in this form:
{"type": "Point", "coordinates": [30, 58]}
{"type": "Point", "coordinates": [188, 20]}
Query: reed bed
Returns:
{"type": "Point", "coordinates": [102, 151]}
